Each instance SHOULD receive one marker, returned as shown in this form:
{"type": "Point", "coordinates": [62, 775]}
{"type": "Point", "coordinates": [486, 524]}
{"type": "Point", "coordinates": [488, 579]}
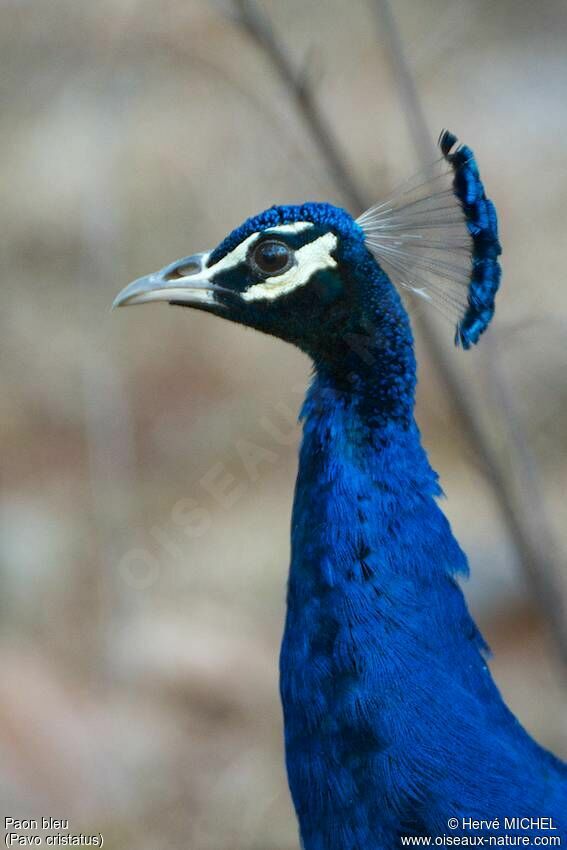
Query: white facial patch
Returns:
{"type": "Point", "coordinates": [239, 254]}
{"type": "Point", "coordinates": [309, 259]}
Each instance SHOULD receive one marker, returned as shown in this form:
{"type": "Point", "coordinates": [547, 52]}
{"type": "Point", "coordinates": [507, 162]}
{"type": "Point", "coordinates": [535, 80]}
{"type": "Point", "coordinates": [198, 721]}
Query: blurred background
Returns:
{"type": "Point", "coordinates": [141, 614]}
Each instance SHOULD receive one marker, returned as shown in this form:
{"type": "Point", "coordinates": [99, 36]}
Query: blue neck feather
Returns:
{"type": "Point", "coordinates": [383, 681]}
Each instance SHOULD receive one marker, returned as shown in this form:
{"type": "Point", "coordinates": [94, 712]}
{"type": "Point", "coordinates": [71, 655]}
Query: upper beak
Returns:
{"type": "Point", "coordinates": [185, 281]}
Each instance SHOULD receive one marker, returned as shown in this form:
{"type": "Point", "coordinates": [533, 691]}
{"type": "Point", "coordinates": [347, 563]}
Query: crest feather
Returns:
{"type": "Point", "coordinates": [437, 236]}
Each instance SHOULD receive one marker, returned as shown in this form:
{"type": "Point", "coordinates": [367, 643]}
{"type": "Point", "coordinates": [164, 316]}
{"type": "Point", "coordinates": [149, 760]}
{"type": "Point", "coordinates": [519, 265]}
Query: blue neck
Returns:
{"type": "Point", "coordinates": [371, 605]}
{"type": "Point", "coordinates": [383, 681]}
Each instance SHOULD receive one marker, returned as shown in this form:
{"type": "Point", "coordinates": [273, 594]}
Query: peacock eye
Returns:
{"type": "Point", "coordinates": [271, 257]}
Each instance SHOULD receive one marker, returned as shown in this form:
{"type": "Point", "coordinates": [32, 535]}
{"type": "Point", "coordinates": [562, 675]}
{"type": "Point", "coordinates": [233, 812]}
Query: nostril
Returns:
{"type": "Point", "coordinates": [185, 270]}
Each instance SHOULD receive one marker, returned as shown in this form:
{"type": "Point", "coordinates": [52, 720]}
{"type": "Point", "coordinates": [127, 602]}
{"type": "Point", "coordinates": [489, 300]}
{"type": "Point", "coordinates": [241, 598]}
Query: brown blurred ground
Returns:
{"type": "Point", "coordinates": [138, 687]}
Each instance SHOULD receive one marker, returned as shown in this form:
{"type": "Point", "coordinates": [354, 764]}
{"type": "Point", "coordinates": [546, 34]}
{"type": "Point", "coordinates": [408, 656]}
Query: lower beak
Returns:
{"type": "Point", "coordinates": [184, 282]}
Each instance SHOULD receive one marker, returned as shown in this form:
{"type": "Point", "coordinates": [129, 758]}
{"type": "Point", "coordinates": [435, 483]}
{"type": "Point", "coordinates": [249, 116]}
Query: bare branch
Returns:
{"type": "Point", "coordinates": [298, 85]}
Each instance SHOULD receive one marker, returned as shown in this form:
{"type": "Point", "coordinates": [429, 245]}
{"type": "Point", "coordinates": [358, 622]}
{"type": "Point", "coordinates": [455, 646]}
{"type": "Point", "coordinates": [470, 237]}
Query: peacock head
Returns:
{"type": "Point", "coordinates": [312, 275]}
{"type": "Point", "coordinates": [291, 271]}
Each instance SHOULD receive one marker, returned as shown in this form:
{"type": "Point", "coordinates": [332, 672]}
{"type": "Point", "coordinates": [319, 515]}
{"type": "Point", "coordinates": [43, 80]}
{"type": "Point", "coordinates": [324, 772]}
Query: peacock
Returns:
{"type": "Point", "coordinates": [395, 732]}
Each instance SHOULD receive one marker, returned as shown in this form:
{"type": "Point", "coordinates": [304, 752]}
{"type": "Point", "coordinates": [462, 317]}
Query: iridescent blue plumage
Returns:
{"type": "Point", "coordinates": [393, 724]}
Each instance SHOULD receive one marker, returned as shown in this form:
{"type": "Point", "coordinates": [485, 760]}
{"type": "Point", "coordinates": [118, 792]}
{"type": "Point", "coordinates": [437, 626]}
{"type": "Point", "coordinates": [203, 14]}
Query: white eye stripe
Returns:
{"type": "Point", "coordinates": [311, 258]}
{"type": "Point", "coordinates": [238, 255]}
{"type": "Point", "coordinates": [297, 227]}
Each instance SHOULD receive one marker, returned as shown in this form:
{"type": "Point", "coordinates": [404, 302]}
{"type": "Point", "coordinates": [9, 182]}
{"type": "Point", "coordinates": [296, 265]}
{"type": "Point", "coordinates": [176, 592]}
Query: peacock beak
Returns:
{"type": "Point", "coordinates": [186, 281]}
